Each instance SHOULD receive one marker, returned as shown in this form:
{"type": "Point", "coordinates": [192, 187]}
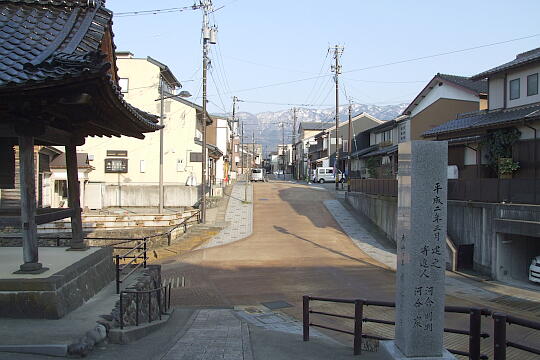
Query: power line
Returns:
{"type": "Point", "coordinates": [317, 80]}
{"type": "Point", "coordinates": [386, 82]}
{"type": "Point", "coordinates": [442, 54]}
{"type": "Point", "coordinates": [156, 11]}
{"type": "Point", "coordinates": [392, 63]}
{"type": "Point", "coordinates": [287, 104]}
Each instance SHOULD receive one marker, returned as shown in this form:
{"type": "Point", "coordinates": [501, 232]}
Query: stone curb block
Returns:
{"type": "Point", "coordinates": [50, 350]}
{"type": "Point", "coordinates": [134, 333]}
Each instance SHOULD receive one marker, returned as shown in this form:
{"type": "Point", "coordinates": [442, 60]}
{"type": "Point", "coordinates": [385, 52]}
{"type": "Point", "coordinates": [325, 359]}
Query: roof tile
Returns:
{"type": "Point", "coordinates": [485, 118]}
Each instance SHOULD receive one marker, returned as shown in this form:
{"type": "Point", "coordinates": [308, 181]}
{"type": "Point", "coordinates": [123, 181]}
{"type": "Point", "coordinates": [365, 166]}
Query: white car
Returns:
{"type": "Point", "coordinates": [258, 174]}
{"type": "Point", "coordinates": [534, 270]}
{"type": "Point", "coordinates": [326, 174]}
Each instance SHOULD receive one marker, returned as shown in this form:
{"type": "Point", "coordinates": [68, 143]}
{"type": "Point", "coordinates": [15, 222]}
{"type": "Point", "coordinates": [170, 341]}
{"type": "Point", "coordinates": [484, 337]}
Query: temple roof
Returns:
{"type": "Point", "coordinates": [57, 58]}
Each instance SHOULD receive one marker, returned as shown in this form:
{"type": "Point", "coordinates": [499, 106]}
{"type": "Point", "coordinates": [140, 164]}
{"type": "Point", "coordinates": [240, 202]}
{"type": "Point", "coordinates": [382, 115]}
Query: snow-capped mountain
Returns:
{"type": "Point", "coordinates": [266, 125]}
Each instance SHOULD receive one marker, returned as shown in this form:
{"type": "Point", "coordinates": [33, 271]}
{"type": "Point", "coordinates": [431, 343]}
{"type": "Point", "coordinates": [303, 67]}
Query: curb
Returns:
{"type": "Point", "coordinates": [133, 333]}
{"type": "Point", "coordinates": [49, 350]}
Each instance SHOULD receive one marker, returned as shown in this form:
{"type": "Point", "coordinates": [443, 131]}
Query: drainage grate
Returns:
{"type": "Point", "coordinates": [263, 199]}
{"type": "Point", "coordinates": [274, 305]}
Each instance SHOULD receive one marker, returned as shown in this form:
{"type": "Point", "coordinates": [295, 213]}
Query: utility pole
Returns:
{"type": "Point", "coordinates": [338, 51]}
{"type": "Point", "coordinates": [283, 148]}
{"type": "Point", "coordinates": [293, 149]}
{"type": "Point", "coordinates": [231, 160]}
{"type": "Point", "coordinates": [349, 149]}
{"type": "Point", "coordinates": [161, 196]}
{"type": "Point", "coordinates": [242, 147]}
{"type": "Point", "coordinates": [252, 151]}
{"type": "Point", "coordinates": [209, 37]}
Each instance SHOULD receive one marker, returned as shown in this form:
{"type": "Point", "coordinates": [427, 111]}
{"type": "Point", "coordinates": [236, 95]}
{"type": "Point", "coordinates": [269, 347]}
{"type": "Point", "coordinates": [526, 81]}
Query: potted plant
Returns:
{"type": "Point", "coordinates": [506, 167]}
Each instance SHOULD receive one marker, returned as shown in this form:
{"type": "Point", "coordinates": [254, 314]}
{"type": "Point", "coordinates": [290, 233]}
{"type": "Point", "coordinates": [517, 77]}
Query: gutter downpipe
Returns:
{"type": "Point", "coordinates": [534, 158]}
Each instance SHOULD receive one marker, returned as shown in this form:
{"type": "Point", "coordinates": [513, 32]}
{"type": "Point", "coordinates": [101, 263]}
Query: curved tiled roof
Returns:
{"type": "Point", "coordinates": [478, 86]}
{"type": "Point", "coordinates": [47, 43]}
{"type": "Point", "coordinates": [483, 118]}
{"type": "Point", "coordinates": [531, 56]}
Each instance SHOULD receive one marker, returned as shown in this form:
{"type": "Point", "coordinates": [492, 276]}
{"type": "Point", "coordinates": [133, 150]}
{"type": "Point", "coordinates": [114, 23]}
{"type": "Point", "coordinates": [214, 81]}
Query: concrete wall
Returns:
{"type": "Point", "coordinates": [505, 236]}
{"type": "Point", "coordinates": [382, 210]}
{"type": "Point", "coordinates": [148, 195]}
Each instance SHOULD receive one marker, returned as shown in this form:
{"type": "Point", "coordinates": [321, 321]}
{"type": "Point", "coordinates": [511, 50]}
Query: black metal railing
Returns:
{"type": "Point", "coordinates": [140, 250]}
{"type": "Point", "coordinates": [136, 254]}
{"type": "Point", "coordinates": [500, 342]}
{"type": "Point", "coordinates": [473, 332]}
{"type": "Point", "coordinates": [163, 301]}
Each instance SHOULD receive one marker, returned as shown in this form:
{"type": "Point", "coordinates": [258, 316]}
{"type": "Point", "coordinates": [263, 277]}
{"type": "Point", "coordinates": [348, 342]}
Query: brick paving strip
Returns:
{"type": "Point", "coordinates": [239, 218]}
{"type": "Point", "coordinates": [214, 334]}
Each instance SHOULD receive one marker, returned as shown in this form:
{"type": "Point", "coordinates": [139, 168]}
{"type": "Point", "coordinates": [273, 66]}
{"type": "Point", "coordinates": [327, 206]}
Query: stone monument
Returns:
{"type": "Point", "coordinates": [421, 251]}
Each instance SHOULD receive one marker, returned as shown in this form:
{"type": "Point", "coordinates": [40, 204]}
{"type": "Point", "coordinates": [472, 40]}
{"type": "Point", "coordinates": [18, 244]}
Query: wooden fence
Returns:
{"type": "Point", "coordinates": [518, 191]}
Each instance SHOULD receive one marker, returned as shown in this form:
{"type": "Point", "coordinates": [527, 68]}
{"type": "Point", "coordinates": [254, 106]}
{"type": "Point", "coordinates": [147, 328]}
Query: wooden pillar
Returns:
{"type": "Point", "coordinates": [28, 207]}
{"type": "Point", "coordinates": [74, 201]}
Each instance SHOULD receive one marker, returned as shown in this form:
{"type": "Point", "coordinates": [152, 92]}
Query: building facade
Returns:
{"type": "Point", "coordinates": [127, 169]}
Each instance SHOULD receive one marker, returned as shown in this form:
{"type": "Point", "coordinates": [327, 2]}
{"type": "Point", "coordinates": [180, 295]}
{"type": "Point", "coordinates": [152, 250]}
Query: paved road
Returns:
{"type": "Point", "coordinates": [296, 248]}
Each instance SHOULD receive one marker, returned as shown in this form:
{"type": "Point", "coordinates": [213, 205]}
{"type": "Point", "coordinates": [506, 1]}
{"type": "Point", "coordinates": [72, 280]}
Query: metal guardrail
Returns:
{"type": "Point", "coordinates": [474, 332]}
{"type": "Point", "coordinates": [163, 302]}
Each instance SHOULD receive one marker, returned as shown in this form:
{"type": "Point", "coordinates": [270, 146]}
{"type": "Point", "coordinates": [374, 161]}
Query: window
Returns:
{"type": "Point", "coordinates": [514, 89]}
{"type": "Point", "coordinates": [329, 171]}
{"type": "Point", "coordinates": [345, 145]}
{"type": "Point", "coordinates": [532, 84]}
{"type": "Point", "coordinates": [403, 132]}
{"type": "Point", "coordinates": [195, 156]}
{"type": "Point", "coordinates": [124, 84]}
{"type": "Point", "coordinates": [142, 166]}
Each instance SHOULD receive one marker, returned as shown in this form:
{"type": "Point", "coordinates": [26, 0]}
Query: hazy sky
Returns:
{"type": "Point", "coordinates": [262, 43]}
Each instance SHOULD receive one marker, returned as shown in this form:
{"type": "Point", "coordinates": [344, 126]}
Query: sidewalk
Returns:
{"type": "Point", "coordinates": [456, 285]}
{"type": "Point", "coordinates": [239, 217]}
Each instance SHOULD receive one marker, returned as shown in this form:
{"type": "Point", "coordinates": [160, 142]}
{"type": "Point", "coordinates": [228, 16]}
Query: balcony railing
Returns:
{"type": "Point", "coordinates": [517, 191]}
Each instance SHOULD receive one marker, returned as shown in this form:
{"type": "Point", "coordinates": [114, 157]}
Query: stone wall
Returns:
{"type": "Point", "coordinates": [148, 308]}
{"type": "Point", "coordinates": [57, 295]}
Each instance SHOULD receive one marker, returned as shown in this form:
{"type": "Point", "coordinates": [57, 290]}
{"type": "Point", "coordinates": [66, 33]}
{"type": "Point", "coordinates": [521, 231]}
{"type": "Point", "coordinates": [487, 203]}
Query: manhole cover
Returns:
{"type": "Point", "coordinates": [274, 305]}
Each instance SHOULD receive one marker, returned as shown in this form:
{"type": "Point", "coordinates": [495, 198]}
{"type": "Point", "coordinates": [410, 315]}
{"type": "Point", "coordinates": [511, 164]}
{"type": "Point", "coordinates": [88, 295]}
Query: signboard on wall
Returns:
{"type": "Point", "coordinates": [116, 165]}
{"type": "Point", "coordinates": [116, 152]}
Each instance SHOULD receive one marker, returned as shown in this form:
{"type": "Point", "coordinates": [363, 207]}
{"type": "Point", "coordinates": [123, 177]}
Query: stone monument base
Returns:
{"type": "Point", "coordinates": [69, 280]}
{"type": "Point", "coordinates": [391, 352]}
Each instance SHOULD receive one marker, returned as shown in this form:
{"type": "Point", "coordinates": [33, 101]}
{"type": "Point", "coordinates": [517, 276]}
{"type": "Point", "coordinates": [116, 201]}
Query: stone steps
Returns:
{"type": "Point", "coordinates": [196, 236]}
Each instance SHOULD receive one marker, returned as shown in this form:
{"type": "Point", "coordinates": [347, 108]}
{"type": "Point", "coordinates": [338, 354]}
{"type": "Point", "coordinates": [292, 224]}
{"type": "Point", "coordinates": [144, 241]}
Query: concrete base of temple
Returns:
{"type": "Point", "coordinates": [70, 279]}
{"type": "Point", "coordinates": [391, 352]}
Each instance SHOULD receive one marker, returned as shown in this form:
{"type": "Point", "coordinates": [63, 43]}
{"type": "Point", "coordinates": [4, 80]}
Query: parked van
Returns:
{"type": "Point", "coordinates": [326, 174]}
{"type": "Point", "coordinates": [258, 175]}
